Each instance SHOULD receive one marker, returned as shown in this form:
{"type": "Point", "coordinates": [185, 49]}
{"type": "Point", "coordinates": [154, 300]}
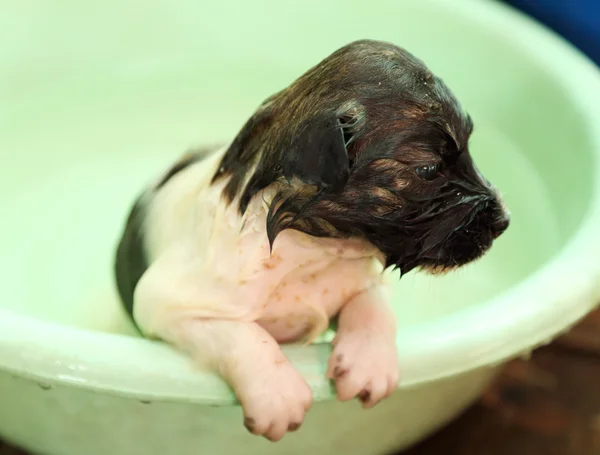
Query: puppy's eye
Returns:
{"type": "Point", "coordinates": [429, 172]}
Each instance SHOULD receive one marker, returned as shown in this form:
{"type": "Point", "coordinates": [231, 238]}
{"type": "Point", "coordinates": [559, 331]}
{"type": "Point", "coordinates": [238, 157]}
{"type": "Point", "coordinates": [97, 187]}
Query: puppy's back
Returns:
{"type": "Point", "coordinates": [132, 257]}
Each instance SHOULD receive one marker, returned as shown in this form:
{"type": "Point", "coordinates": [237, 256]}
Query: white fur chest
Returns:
{"type": "Point", "coordinates": [224, 268]}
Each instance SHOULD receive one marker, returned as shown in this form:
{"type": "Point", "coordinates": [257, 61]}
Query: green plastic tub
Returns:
{"type": "Point", "coordinates": [97, 98]}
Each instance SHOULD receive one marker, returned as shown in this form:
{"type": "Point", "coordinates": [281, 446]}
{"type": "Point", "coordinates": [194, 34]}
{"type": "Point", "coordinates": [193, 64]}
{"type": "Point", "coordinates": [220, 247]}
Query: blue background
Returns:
{"type": "Point", "coordinates": [576, 20]}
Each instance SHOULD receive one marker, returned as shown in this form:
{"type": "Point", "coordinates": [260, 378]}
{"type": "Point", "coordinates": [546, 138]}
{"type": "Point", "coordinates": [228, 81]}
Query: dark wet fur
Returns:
{"type": "Point", "coordinates": [131, 261]}
{"type": "Point", "coordinates": [354, 129]}
{"type": "Point", "coordinates": [182, 164]}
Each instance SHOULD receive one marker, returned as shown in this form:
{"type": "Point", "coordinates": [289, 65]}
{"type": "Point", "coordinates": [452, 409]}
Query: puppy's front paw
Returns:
{"type": "Point", "coordinates": [364, 364]}
{"type": "Point", "coordinates": [275, 399]}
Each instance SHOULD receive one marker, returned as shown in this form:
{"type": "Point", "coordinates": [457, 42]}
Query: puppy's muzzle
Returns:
{"type": "Point", "coordinates": [499, 225]}
{"type": "Point", "coordinates": [498, 215]}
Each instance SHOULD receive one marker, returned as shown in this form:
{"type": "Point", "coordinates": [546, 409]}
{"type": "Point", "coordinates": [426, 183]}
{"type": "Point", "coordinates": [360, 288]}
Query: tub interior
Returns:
{"type": "Point", "coordinates": [98, 100]}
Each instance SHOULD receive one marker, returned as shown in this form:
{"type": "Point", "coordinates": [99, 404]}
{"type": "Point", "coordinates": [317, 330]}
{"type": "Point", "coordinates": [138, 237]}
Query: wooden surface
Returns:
{"type": "Point", "coordinates": [549, 405]}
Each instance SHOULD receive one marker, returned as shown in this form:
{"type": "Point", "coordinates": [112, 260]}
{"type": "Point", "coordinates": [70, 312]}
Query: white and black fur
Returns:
{"type": "Point", "coordinates": [368, 143]}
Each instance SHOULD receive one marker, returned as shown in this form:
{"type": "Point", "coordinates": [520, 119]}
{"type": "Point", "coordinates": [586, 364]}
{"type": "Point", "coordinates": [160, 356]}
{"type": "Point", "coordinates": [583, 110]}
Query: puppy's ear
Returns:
{"type": "Point", "coordinates": [318, 153]}
{"type": "Point", "coordinates": [315, 151]}
{"type": "Point", "coordinates": [243, 152]}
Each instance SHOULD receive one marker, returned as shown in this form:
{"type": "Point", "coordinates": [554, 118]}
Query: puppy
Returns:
{"type": "Point", "coordinates": [360, 165]}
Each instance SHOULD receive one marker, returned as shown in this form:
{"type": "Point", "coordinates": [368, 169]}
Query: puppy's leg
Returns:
{"type": "Point", "coordinates": [364, 361]}
{"type": "Point", "coordinates": [274, 396]}
{"type": "Point", "coordinates": [272, 393]}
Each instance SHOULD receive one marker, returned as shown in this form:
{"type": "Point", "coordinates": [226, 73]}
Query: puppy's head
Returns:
{"type": "Point", "coordinates": [369, 143]}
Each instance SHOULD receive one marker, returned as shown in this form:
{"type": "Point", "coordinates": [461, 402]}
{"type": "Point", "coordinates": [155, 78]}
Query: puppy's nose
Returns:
{"type": "Point", "coordinates": [500, 225]}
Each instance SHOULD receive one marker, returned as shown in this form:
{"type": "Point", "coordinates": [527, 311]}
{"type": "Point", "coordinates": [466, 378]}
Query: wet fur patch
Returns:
{"type": "Point", "coordinates": [131, 261]}
{"type": "Point", "coordinates": [193, 156]}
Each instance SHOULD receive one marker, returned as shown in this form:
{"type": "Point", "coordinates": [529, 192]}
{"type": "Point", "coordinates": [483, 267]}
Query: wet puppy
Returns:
{"type": "Point", "coordinates": [361, 164]}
